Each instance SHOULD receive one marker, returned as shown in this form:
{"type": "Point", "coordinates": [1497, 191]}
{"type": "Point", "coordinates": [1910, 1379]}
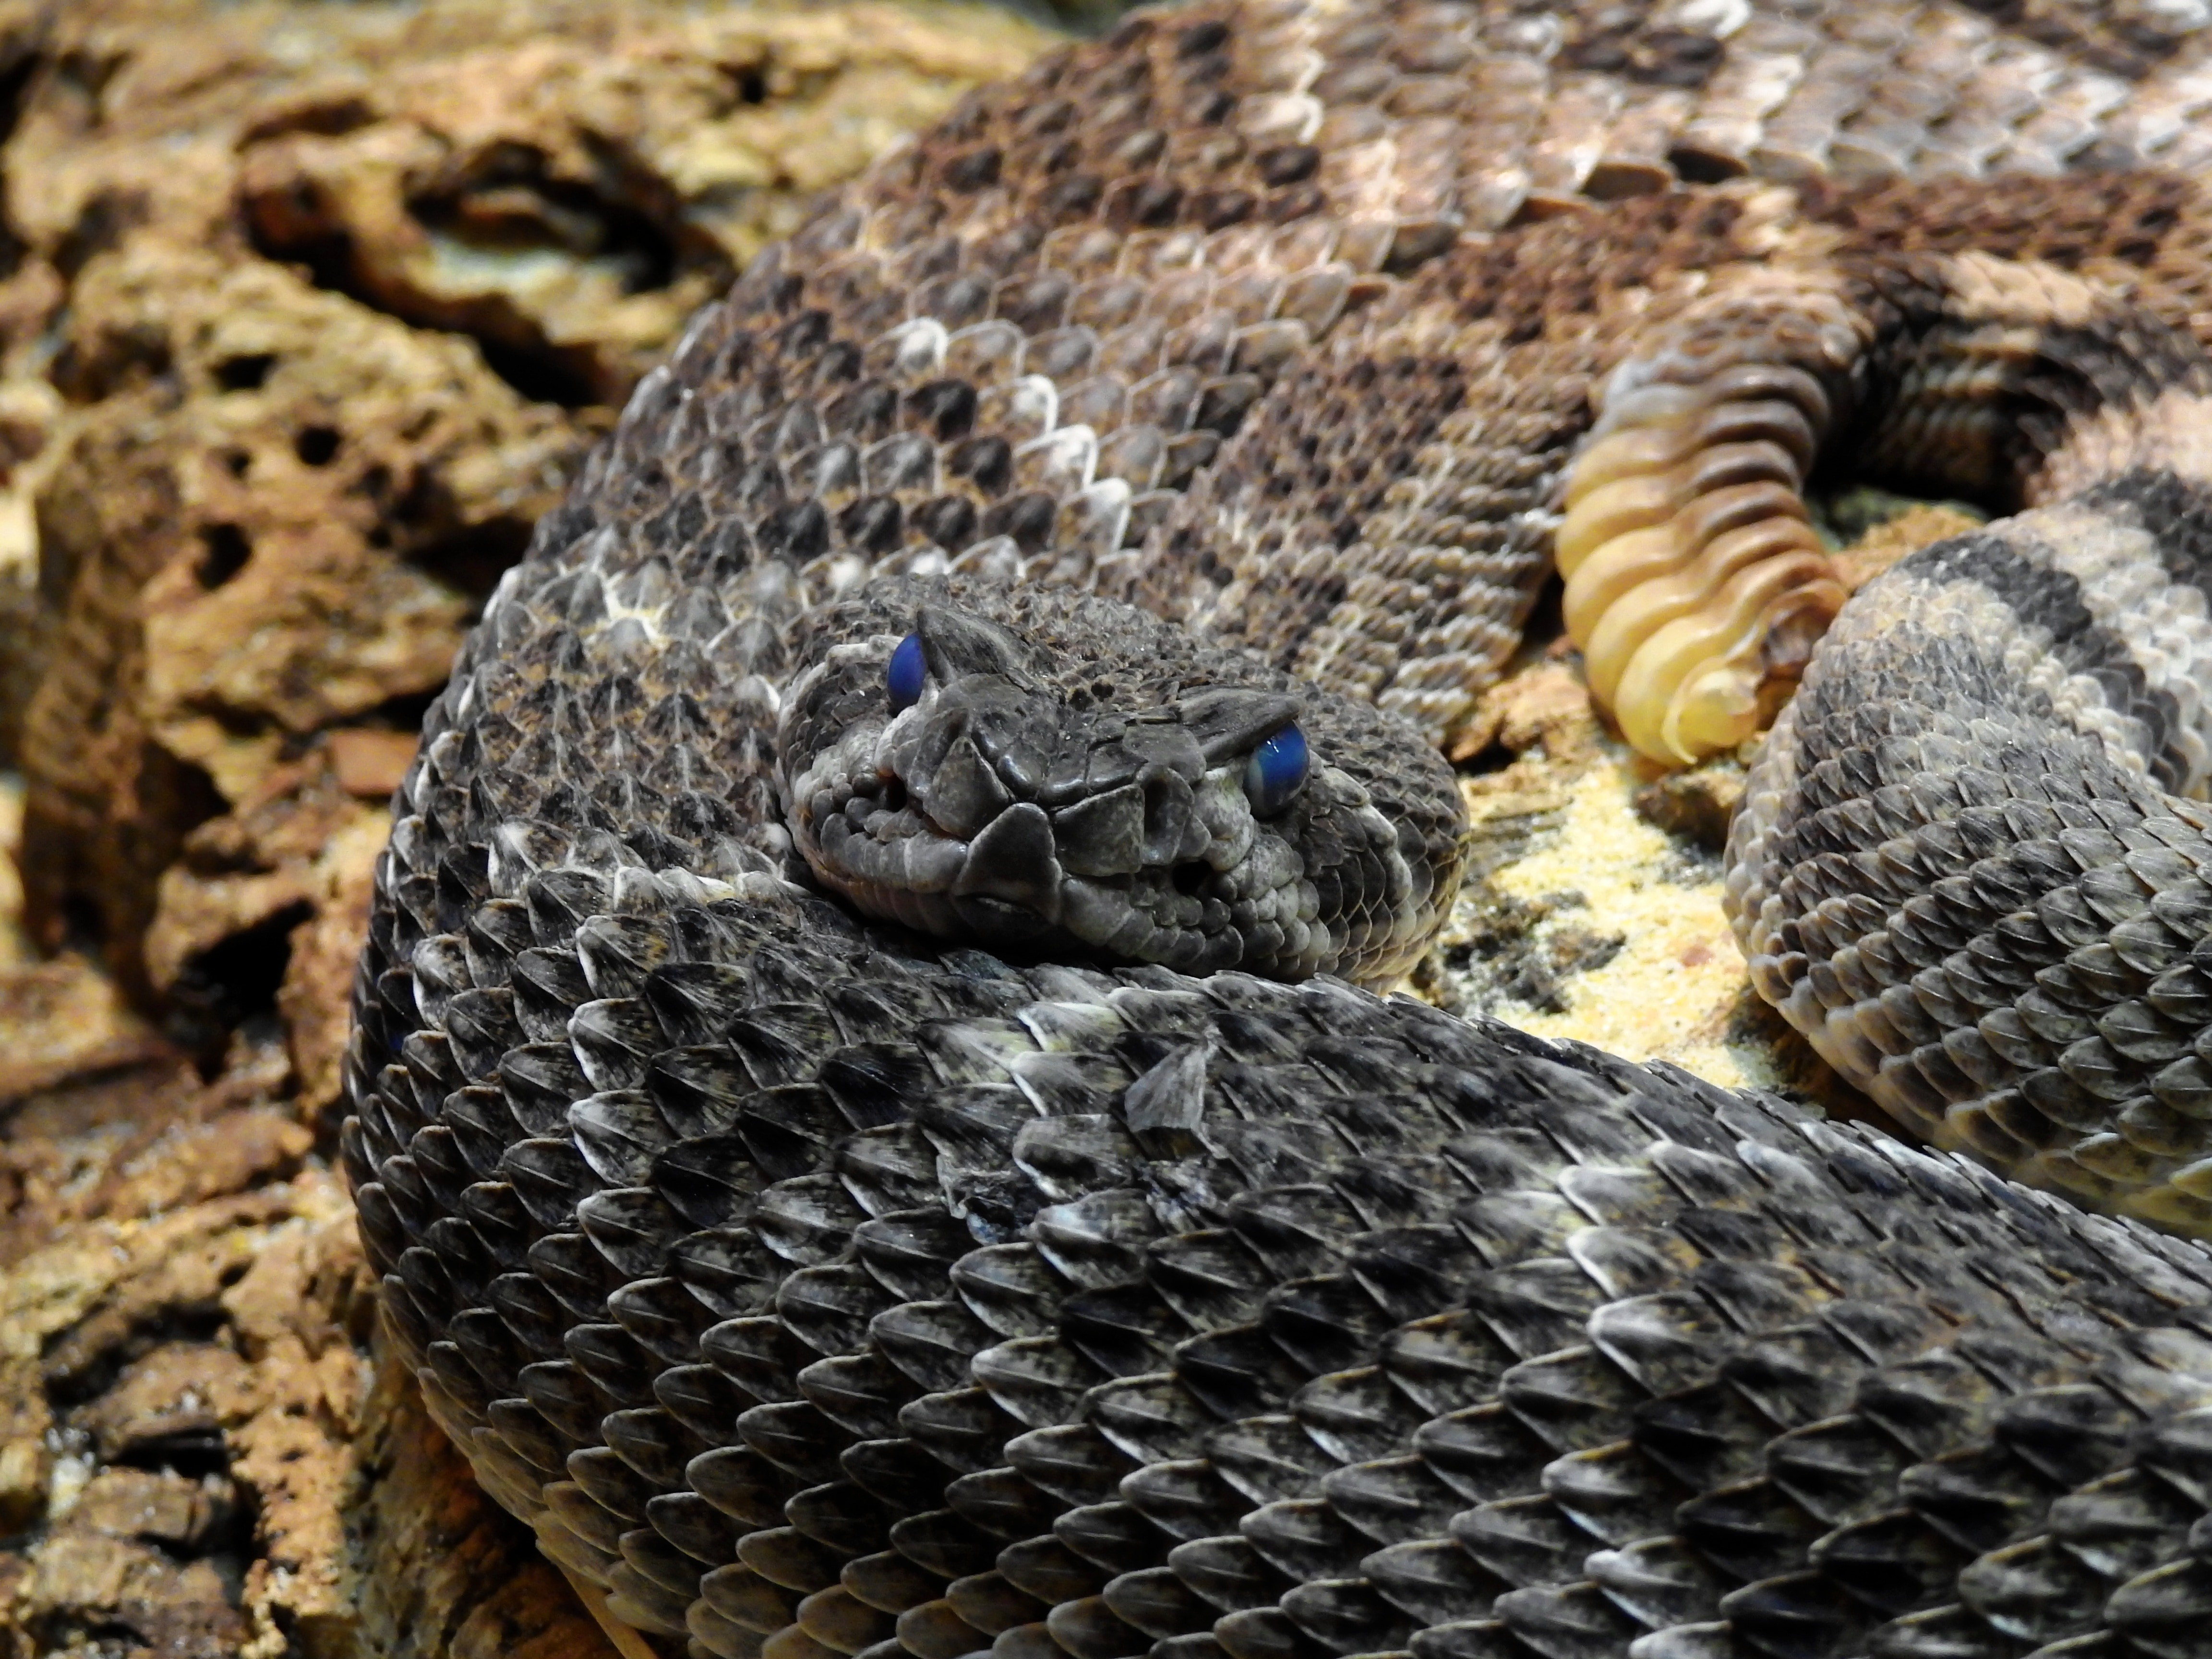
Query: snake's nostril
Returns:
{"type": "Point", "coordinates": [894, 795]}
{"type": "Point", "coordinates": [1190, 878]}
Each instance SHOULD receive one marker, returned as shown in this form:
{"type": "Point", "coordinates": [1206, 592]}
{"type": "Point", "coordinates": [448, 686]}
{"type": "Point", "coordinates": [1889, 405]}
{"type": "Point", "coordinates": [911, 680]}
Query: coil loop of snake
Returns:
{"type": "Point", "coordinates": [871, 1094]}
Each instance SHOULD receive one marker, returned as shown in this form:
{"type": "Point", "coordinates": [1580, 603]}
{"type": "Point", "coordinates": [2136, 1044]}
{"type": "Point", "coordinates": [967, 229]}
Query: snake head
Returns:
{"type": "Point", "coordinates": [990, 782]}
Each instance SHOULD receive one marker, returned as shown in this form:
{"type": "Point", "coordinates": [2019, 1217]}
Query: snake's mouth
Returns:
{"type": "Point", "coordinates": [1155, 870]}
{"type": "Point", "coordinates": [986, 808]}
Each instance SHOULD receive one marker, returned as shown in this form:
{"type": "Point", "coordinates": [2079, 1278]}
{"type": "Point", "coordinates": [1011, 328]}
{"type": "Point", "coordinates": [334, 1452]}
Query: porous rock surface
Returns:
{"type": "Point", "coordinates": [312, 310]}
{"type": "Point", "coordinates": [196, 1456]}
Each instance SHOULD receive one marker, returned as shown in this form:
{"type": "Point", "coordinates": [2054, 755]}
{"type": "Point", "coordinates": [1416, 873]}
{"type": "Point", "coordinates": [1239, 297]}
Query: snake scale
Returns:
{"type": "Point", "coordinates": [873, 1100]}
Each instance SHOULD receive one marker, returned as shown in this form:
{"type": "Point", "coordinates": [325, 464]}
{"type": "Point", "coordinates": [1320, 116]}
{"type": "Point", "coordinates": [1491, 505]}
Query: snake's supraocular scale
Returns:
{"type": "Point", "coordinates": [857, 1101]}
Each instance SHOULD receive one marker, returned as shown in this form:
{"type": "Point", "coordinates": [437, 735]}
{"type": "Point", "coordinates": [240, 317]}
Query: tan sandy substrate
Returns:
{"type": "Point", "coordinates": [1672, 990]}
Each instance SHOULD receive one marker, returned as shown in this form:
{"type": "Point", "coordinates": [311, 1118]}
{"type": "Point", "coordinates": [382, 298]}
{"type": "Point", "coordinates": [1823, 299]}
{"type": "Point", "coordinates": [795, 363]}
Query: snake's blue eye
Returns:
{"type": "Point", "coordinates": [1276, 772]}
{"type": "Point", "coordinates": [904, 676]}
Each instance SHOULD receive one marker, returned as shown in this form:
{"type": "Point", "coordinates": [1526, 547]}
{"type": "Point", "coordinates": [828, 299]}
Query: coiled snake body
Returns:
{"type": "Point", "coordinates": [861, 1098]}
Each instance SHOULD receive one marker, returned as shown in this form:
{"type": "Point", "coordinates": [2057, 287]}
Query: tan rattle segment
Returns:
{"type": "Point", "coordinates": [1696, 586]}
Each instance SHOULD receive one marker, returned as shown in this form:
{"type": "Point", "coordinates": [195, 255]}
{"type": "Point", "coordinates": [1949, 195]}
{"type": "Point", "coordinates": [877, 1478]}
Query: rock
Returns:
{"type": "Point", "coordinates": [1603, 928]}
{"type": "Point", "coordinates": [1697, 804]}
{"type": "Point", "coordinates": [369, 764]}
{"type": "Point", "coordinates": [271, 1490]}
{"type": "Point", "coordinates": [225, 588]}
{"type": "Point", "coordinates": [60, 1019]}
{"type": "Point", "coordinates": [1541, 705]}
{"type": "Point", "coordinates": [166, 1407]}
{"type": "Point", "coordinates": [1871, 528]}
{"type": "Point", "coordinates": [313, 999]}
{"type": "Point", "coordinates": [156, 1507]}
{"type": "Point", "coordinates": [189, 1163]}
{"type": "Point", "coordinates": [25, 1466]}
{"type": "Point", "coordinates": [569, 197]}
{"type": "Point", "coordinates": [64, 1018]}
{"type": "Point", "coordinates": [298, 1317]}
{"type": "Point", "coordinates": [83, 1585]}
{"type": "Point", "coordinates": [29, 410]}
{"type": "Point", "coordinates": [249, 891]}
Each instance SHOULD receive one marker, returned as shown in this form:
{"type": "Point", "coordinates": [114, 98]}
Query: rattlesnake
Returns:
{"type": "Point", "coordinates": [1099, 1270]}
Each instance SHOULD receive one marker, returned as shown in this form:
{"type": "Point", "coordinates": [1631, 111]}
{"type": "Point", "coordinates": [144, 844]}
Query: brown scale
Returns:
{"type": "Point", "coordinates": [1138, 253]}
{"type": "Point", "coordinates": [1130, 132]}
{"type": "Point", "coordinates": [2148, 234]}
{"type": "Point", "coordinates": [1399, 559]}
{"type": "Point", "coordinates": [1300, 496]}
